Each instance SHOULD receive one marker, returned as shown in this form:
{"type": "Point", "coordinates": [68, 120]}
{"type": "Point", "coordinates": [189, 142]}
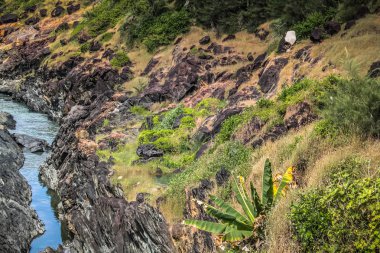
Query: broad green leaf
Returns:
{"type": "Point", "coordinates": [267, 197]}
{"type": "Point", "coordinates": [212, 227]}
{"type": "Point", "coordinates": [226, 208]}
{"type": "Point", "coordinates": [255, 199]}
{"type": "Point", "coordinates": [237, 235]}
{"type": "Point", "coordinates": [245, 203]}
{"type": "Point", "coordinates": [286, 179]}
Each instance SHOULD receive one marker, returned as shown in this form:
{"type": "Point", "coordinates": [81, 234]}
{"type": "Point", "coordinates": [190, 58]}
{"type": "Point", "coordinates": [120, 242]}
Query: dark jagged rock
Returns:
{"type": "Point", "coordinates": [19, 223]}
{"type": "Point", "coordinates": [261, 33]}
{"type": "Point", "coordinates": [32, 21]}
{"type": "Point", "coordinates": [374, 70]}
{"type": "Point", "coordinates": [249, 130]}
{"type": "Point", "coordinates": [43, 13]}
{"type": "Point", "coordinates": [8, 19]}
{"type": "Point", "coordinates": [229, 37]}
{"type": "Point", "coordinates": [62, 27]}
{"type": "Point", "coordinates": [31, 9]}
{"type": "Point", "coordinates": [250, 57]}
{"type": "Point", "coordinates": [205, 40]}
{"type": "Point", "coordinates": [147, 151]}
{"type": "Point", "coordinates": [73, 8]}
{"type": "Point", "coordinates": [332, 27]}
{"type": "Point", "coordinates": [222, 176]}
{"type": "Point", "coordinates": [270, 77]}
{"type": "Point", "coordinates": [152, 63]}
{"type": "Point", "coordinates": [349, 24]}
{"type": "Point", "coordinates": [316, 35]}
{"type": "Point", "coordinates": [212, 125]}
{"type": "Point", "coordinates": [57, 11]}
{"type": "Point", "coordinates": [7, 120]}
{"type": "Point", "coordinates": [83, 37]}
{"type": "Point", "coordinates": [31, 143]}
{"type": "Point", "coordinates": [95, 46]}
{"type": "Point", "coordinates": [109, 54]}
{"type": "Point", "coordinates": [298, 115]}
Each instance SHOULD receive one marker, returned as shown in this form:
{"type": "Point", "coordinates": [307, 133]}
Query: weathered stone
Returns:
{"type": "Point", "coordinates": [349, 24]}
{"type": "Point", "coordinates": [43, 13]}
{"type": "Point", "coordinates": [205, 40]}
{"type": "Point", "coordinates": [62, 27]}
{"type": "Point", "coordinates": [298, 115]}
{"type": "Point", "coordinates": [152, 63]}
{"type": "Point", "coordinates": [73, 8]}
{"type": "Point", "coordinates": [261, 33]}
{"type": "Point", "coordinates": [31, 143]}
{"type": "Point", "coordinates": [332, 27]}
{"type": "Point", "coordinates": [7, 120]}
{"type": "Point", "coordinates": [270, 77]}
{"type": "Point", "coordinates": [19, 223]}
{"type": "Point", "coordinates": [229, 37]}
{"type": "Point", "coordinates": [250, 57]}
{"type": "Point", "coordinates": [374, 70]}
{"type": "Point", "coordinates": [222, 176]}
{"type": "Point", "coordinates": [32, 21]}
{"type": "Point", "coordinates": [95, 46]}
{"type": "Point", "coordinates": [31, 9]}
{"type": "Point", "coordinates": [316, 35]}
{"type": "Point", "coordinates": [147, 151]}
{"type": "Point", "coordinates": [57, 11]}
{"type": "Point", "coordinates": [8, 18]}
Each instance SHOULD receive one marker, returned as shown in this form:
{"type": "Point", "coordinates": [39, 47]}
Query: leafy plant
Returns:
{"type": "Point", "coordinates": [303, 29]}
{"type": "Point", "coordinates": [120, 59]}
{"type": "Point", "coordinates": [343, 217]}
{"type": "Point", "coordinates": [234, 225]}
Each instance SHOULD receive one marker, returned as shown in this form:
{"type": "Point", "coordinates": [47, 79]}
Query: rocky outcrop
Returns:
{"type": "Point", "coordinates": [269, 79]}
{"type": "Point", "coordinates": [31, 143]}
{"type": "Point", "coordinates": [19, 223]}
{"type": "Point", "coordinates": [148, 151]}
{"type": "Point", "coordinates": [8, 18]}
{"type": "Point", "coordinates": [98, 215]}
{"type": "Point", "coordinates": [374, 70]}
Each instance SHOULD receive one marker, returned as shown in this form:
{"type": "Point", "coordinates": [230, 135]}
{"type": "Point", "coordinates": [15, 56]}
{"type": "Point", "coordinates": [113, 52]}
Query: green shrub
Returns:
{"type": "Point", "coordinates": [344, 217]}
{"type": "Point", "coordinates": [354, 107]}
{"type": "Point", "coordinates": [85, 47]}
{"type": "Point", "coordinates": [149, 136]}
{"type": "Point", "coordinates": [106, 37]}
{"type": "Point", "coordinates": [264, 103]}
{"type": "Point", "coordinates": [304, 28]}
{"type": "Point", "coordinates": [326, 129]}
{"type": "Point", "coordinates": [155, 31]}
{"type": "Point", "coordinates": [139, 110]}
{"type": "Point", "coordinates": [120, 59]}
{"type": "Point", "coordinates": [228, 128]}
{"type": "Point", "coordinates": [289, 92]}
{"type": "Point", "coordinates": [170, 117]}
{"type": "Point", "coordinates": [188, 122]}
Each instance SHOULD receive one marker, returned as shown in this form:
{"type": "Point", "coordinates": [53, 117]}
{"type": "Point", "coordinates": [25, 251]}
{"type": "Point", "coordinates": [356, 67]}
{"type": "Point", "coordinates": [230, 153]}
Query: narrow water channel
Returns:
{"type": "Point", "coordinates": [44, 201]}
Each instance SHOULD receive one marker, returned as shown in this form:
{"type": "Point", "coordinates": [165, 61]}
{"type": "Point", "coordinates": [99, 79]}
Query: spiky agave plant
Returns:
{"type": "Point", "coordinates": [236, 226]}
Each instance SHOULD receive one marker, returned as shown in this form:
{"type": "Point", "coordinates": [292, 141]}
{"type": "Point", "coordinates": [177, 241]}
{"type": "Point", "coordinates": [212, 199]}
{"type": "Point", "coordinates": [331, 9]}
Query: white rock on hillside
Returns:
{"type": "Point", "coordinates": [290, 37]}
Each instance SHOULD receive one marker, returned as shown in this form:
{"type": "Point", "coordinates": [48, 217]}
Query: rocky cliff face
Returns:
{"type": "Point", "coordinates": [19, 222]}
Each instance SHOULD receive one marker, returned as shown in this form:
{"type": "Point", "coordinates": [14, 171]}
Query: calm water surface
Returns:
{"type": "Point", "coordinates": [44, 201]}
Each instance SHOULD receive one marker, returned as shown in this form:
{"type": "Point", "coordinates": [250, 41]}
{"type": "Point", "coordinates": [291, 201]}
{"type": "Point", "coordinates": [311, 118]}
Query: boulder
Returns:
{"type": "Point", "coordinates": [43, 13]}
{"type": "Point", "coordinates": [73, 8]}
{"type": "Point", "coordinates": [57, 11]}
{"type": "Point", "coordinates": [32, 21]}
{"type": "Point", "coordinates": [95, 46]}
{"type": "Point", "coordinates": [250, 57]}
{"type": "Point", "coordinates": [205, 40]}
{"type": "Point", "coordinates": [374, 70]}
{"type": "Point", "coordinates": [152, 63]}
{"type": "Point", "coordinates": [7, 120]}
{"type": "Point", "coordinates": [261, 33]}
{"type": "Point", "coordinates": [222, 176]}
{"type": "Point", "coordinates": [287, 42]}
{"type": "Point", "coordinates": [31, 9]}
{"type": "Point", "coordinates": [147, 151]}
{"type": "Point", "coordinates": [298, 115]}
{"type": "Point", "coordinates": [62, 27]}
{"type": "Point", "coordinates": [8, 18]}
{"type": "Point", "coordinates": [332, 27]}
{"type": "Point", "coordinates": [270, 77]}
{"type": "Point", "coordinates": [316, 35]}
{"type": "Point", "coordinates": [349, 24]}
{"type": "Point", "coordinates": [229, 37]}
{"type": "Point", "coordinates": [31, 143]}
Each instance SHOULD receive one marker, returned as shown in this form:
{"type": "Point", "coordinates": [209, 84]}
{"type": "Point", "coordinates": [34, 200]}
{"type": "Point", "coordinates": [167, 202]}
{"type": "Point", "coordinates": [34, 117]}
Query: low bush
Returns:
{"type": "Point", "coordinates": [354, 107]}
{"type": "Point", "coordinates": [120, 59]}
{"type": "Point", "coordinates": [85, 47]}
{"type": "Point", "coordinates": [343, 217]}
{"type": "Point", "coordinates": [304, 28]}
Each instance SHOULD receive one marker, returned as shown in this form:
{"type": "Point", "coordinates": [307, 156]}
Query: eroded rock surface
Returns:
{"type": "Point", "coordinates": [19, 223]}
